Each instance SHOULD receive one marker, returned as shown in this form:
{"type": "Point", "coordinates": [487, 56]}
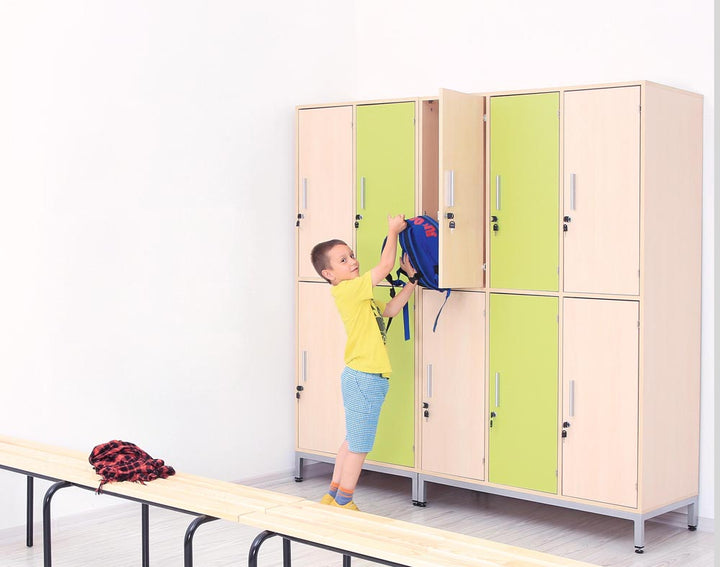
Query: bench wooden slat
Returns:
{"type": "Point", "coordinates": [396, 540]}
{"type": "Point", "coordinates": [293, 516]}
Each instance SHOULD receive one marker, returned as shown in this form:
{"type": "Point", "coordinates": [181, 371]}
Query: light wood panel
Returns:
{"type": "Point", "coordinates": [600, 400]}
{"type": "Point", "coordinates": [321, 348]}
{"type": "Point", "coordinates": [461, 170]}
{"type": "Point", "coordinates": [671, 292]}
{"type": "Point", "coordinates": [602, 190]}
{"type": "Point", "coordinates": [453, 384]}
{"type": "Point", "coordinates": [324, 181]}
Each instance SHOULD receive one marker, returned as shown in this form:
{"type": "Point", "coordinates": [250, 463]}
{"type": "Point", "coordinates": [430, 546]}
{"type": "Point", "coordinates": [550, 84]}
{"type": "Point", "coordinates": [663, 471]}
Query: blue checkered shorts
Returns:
{"type": "Point", "coordinates": [363, 396]}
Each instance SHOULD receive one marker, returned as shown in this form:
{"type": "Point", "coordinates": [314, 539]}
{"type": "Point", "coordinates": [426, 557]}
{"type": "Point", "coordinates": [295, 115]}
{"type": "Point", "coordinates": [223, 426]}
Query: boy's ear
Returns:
{"type": "Point", "coordinates": [327, 274]}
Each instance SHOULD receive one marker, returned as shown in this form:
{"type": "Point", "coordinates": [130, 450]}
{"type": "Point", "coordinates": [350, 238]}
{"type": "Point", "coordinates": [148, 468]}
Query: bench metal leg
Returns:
{"type": "Point", "coordinates": [189, 534]}
{"type": "Point", "coordinates": [286, 552]}
{"type": "Point", "coordinates": [145, 528]}
{"type": "Point", "coordinates": [30, 503]}
{"type": "Point", "coordinates": [47, 551]}
{"type": "Point", "coordinates": [259, 540]}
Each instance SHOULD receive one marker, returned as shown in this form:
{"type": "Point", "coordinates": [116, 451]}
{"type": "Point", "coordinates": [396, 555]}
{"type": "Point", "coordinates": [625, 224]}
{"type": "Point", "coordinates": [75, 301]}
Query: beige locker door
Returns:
{"type": "Point", "coordinates": [321, 347]}
{"type": "Point", "coordinates": [600, 400]}
{"type": "Point", "coordinates": [602, 190]}
{"type": "Point", "coordinates": [324, 181]}
{"type": "Point", "coordinates": [452, 384]}
{"type": "Point", "coordinates": [461, 200]}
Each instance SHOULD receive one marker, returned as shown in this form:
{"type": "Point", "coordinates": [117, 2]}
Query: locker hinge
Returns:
{"type": "Point", "coordinates": [484, 267]}
{"type": "Point", "coordinates": [483, 461]}
{"type": "Point", "coordinates": [640, 108]}
{"type": "Point", "coordinates": [558, 113]}
{"type": "Point", "coordinates": [484, 120]}
{"type": "Point", "coordinates": [556, 473]}
{"type": "Point", "coordinates": [638, 324]}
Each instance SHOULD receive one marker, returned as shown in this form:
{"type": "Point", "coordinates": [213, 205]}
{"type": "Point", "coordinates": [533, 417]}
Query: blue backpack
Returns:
{"type": "Point", "coordinates": [420, 241]}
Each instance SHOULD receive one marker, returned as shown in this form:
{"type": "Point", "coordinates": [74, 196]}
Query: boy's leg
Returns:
{"type": "Point", "coordinates": [329, 496]}
{"type": "Point", "coordinates": [339, 462]}
{"type": "Point", "coordinates": [352, 467]}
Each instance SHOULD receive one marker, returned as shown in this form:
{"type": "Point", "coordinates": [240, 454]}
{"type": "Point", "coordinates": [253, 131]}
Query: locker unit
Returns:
{"type": "Point", "coordinates": [570, 235]}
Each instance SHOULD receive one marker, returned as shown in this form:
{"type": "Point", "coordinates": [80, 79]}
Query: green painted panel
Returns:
{"type": "Point", "coordinates": [523, 391]}
{"type": "Point", "coordinates": [386, 170]}
{"type": "Point", "coordinates": [395, 441]}
{"type": "Point", "coordinates": [524, 157]}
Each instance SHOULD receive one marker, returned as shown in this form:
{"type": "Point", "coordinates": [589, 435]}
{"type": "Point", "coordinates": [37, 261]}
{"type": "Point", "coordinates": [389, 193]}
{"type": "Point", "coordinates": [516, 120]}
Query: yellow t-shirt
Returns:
{"type": "Point", "coordinates": [364, 324]}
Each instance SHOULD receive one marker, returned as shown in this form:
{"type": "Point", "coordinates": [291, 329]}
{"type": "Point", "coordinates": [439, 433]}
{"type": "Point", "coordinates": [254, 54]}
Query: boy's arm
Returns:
{"type": "Point", "coordinates": [394, 306]}
{"type": "Point", "coordinates": [396, 225]}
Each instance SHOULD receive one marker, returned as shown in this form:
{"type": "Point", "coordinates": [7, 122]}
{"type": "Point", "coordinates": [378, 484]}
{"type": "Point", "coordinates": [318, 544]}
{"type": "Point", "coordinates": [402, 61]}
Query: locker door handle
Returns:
{"type": "Point", "coordinates": [304, 366]}
{"type": "Point", "coordinates": [304, 192]}
{"type": "Point", "coordinates": [450, 188]}
{"type": "Point", "coordinates": [497, 192]}
{"type": "Point", "coordinates": [571, 401]}
{"type": "Point", "coordinates": [573, 183]}
{"type": "Point", "coordinates": [362, 193]}
{"type": "Point", "coordinates": [497, 389]}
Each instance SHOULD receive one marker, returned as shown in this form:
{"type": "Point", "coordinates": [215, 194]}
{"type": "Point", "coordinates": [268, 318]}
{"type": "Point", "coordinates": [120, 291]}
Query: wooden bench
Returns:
{"type": "Point", "coordinates": [352, 534]}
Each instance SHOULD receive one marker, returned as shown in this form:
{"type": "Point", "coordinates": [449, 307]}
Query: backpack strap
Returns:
{"type": "Point", "coordinates": [447, 295]}
{"type": "Point", "coordinates": [406, 310]}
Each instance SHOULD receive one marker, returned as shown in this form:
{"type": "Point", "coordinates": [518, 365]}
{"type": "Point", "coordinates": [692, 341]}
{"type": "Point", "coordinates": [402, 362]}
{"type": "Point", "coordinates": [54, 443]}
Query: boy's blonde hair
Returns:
{"type": "Point", "coordinates": [319, 255]}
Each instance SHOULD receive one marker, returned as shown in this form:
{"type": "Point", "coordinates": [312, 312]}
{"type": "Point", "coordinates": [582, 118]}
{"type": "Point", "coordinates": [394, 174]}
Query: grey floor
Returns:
{"type": "Point", "coordinates": [111, 537]}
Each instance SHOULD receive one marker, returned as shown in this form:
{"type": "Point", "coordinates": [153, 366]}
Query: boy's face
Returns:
{"type": "Point", "coordinates": [343, 265]}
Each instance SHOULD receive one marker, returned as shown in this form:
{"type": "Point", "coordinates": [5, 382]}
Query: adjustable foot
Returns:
{"type": "Point", "coordinates": [639, 549]}
{"type": "Point", "coordinates": [692, 528]}
{"type": "Point", "coordinates": [419, 504]}
{"type": "Point", "coordinates": [298, 479]}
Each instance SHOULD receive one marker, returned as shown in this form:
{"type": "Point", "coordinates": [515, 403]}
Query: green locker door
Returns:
{"type": "Point", "coordinates": [395, 441]}
{"type": "Point", "coordinates": [385, 173]}
{"type": "Point", "coordinates": [524, 174]}
{"type": "Point", "coordinates": [523, 391]}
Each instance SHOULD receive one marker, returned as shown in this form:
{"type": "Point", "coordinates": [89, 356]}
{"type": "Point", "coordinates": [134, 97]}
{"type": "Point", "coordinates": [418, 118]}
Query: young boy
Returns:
{"type": "Point", "coordinates": [365, 377]}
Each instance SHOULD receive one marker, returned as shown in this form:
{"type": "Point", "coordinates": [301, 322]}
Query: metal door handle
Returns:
{"type": "Point", "coordinates": [429, 380]}
{"type": "Point", "coordinates": [497, 389]}
{"type": "Point", "coordinates": [571, 401]}
{"type": "Point", "coordinates": [573, 183]}
{"type": "Point", "coordinates": [362, 193]}
{"type": "Point", "coordinates": [497, 192]}
{"type": "Point", "coordinates": [304, 366]}
{"type": "Point", "coordinates": [450, 188]}
{"type": "Point", "coordinates": [304, 193]}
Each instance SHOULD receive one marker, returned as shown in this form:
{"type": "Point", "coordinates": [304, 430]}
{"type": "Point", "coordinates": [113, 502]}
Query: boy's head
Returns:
{"type": "Point", "coordinates": [334, 261]}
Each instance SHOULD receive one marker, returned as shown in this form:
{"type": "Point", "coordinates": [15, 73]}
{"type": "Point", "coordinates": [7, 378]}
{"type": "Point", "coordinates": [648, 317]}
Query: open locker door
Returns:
{"type": "Point", "coordinates": [462, 201]}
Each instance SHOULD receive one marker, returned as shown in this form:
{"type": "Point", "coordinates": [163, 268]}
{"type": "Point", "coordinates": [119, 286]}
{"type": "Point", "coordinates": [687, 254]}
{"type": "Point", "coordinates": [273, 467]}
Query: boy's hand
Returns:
{"type": "Point", "coordinates": [406, 266]}
{"type": "Point", "coordinates": [396, 224]}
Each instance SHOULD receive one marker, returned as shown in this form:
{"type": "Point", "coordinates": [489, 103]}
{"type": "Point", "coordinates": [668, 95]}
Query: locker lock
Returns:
{"type": "Point", "coordinates": [494, 220]}
{"type": "Point", "coordinates": [357, 218]}
{"type": "Point", "coordinates": [299, 218]}
{"type": "Point", "coordinates": [299, 389]}
{"type": "Point", "coordinates": [426, 405]}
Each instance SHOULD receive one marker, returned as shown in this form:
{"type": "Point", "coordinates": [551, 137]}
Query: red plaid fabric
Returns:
{"type": "Point", "coordinates": [116, 461]}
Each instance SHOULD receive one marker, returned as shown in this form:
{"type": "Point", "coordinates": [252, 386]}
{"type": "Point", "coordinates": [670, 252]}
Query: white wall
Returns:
{"type": "Point", "coordinates": [147, 225]}
{"type": "Point", "coordinates": [145, 286]}
{"type": "Point", "coordinates": [413, 47]}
